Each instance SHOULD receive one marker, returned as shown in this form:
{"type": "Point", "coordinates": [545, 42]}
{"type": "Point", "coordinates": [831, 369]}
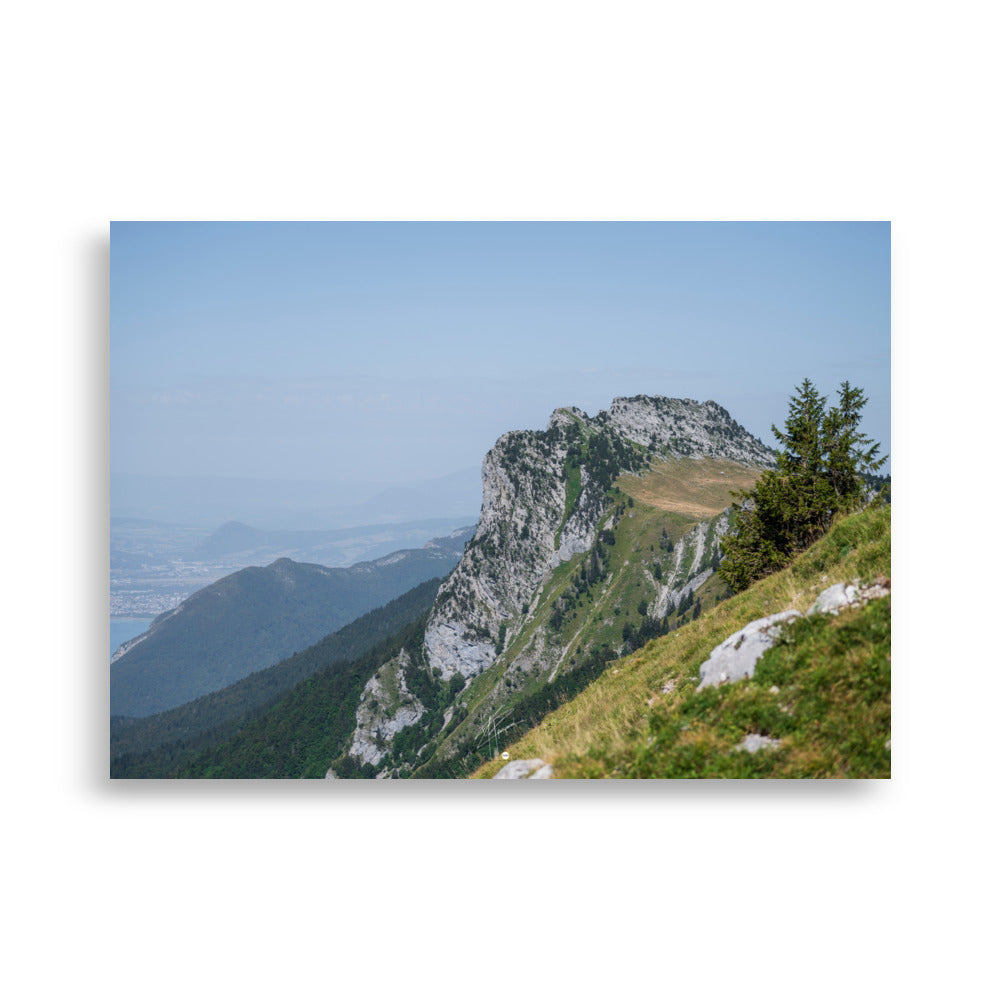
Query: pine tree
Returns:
{"type": "Point", "coordinates": [820, 473]}
{"type": "Point", "coordinates": [850, 454]}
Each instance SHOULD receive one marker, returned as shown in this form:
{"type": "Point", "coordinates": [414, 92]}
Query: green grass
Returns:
{"type": "Point", "coordinates": [594, 622]}
{"type": "Point", "coordinates": [831, 710]}
{"type": "Point", "coordinates": [574, 487]}
{"type": "Point", "coordinates": [644, 718]}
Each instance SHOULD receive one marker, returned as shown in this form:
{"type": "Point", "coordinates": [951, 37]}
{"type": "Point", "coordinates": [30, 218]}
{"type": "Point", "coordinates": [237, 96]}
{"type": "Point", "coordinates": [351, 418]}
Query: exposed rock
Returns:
{"type": "Point", "coordinates": [880, 587]}
{"type": "Point", "coordinates": [685, 577]}
{"type": "Point", "coordinates": [736, 658]}
{"type": "Point", "coordinates": [453, 650]}
{"type": "Point", "coordinates": [530, 521]}
{"type": "Point", "coordinates": [840, 595]}
{"type": "Point", "coordinates": [543, 772]}
{"type": "Point", "coordinates": [386, 708]}
{"type": "Point", "coordinates": [753, 742]}
{"type": "Point", "coordinates": [524, 769]}
{"type": "Point", "coordinates": [685, 427]}
{"type": "Point", "coordinates": [843, 595]}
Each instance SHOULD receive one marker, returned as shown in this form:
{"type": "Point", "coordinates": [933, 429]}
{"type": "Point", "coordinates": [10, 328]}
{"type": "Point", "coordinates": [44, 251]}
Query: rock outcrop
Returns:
{"type": "Point", "coordinates": [548, 496]}
{"type": "Point", "coordinates": [515, 769]}
{"type": "Point", "coordinates": [386, 708]}
{"type": "Point", "coordinates": [684, 427]}
{"type": "Point", "coordinates": [544, 493]}
{"type": "Point", "coordinates": [735, 658]}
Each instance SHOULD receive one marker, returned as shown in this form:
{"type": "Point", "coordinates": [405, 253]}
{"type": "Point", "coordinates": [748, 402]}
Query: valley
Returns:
{"type": "Point", "coordinates": [589, 580]}
{"type": "Point", "coordinates": [155, 565]}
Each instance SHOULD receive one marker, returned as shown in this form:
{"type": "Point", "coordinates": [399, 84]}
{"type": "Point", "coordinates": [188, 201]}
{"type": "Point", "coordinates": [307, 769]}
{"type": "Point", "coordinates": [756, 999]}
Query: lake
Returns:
{"type": "Point", "coordinates": [123, 629]}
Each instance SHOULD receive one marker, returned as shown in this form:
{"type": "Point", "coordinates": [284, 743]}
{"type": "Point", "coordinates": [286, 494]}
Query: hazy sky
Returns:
{"type": "Point", "coordinates": [391, 352]}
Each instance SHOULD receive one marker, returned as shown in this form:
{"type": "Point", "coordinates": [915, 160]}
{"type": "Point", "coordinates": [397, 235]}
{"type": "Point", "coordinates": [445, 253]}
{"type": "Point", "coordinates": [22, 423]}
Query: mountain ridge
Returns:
{"type": "Point", "coordinates": [256, 617]}
{"type": "Point", "coordinates": [550, 512]}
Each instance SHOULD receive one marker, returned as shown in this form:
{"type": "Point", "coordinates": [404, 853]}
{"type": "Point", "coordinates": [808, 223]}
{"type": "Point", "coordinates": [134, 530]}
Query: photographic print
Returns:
{"type": "Point", "coordinates": [500, 500]}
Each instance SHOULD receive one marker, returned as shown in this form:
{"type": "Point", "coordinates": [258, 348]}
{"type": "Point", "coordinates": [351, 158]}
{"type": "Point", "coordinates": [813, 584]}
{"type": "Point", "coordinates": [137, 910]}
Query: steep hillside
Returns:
{"type": "Point", "coordinates": [567, 570]}
{"type": "Point", "coordinates": [818, 704]}
{"type": "Point", "coordinates": [313, 722]}
{"type": "Point", "coordinates": [595, 535]}
{"type": "Point", "coordinates": [155, 746]}
{"type": "Point", "coordinates": [256, 617]}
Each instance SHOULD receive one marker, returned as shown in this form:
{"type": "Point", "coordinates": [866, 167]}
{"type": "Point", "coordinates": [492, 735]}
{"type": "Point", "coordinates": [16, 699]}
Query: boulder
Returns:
{"type": "Point", "coordinates": [840, 595]}
{"type": "Point", "coordinates": [736, 657]}
{"type": "Point", "coordinates": [524, 769]}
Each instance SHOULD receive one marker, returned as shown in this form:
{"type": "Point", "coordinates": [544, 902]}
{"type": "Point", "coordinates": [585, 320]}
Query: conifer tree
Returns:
{"type": "Point", "coordinates": [819, 474]}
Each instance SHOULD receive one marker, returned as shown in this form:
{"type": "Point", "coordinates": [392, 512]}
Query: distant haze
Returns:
{"type": "Point", "coordinates": [354, 364]}
{"type": "Point", "coordinates": [208, 501]}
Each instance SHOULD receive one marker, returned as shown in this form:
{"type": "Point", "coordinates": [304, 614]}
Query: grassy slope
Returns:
{"type": "Point", "coordinates": [667, 501]}
{"type": "Point", "coordinates": [832, 710]}
{"type": "Point", "coordinates": [695, 487]}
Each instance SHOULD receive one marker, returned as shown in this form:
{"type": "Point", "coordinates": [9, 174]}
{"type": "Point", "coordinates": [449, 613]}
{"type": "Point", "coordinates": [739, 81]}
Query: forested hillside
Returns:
{"type": "Point", "coordinates": [252, 619]}
{"type": "Point", "coordinates": [158, 745]}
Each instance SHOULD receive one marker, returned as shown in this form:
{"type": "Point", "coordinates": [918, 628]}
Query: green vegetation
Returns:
{"type": "Point", "coordinates": [253, 619]}
{"type": "Point", "coordinates": [821, 473]}
{"type": "Point", "coordinates": [642, 717]}
{"type": "Point", "coordinates": [830, 712]}
{"type": "Point", "coordinates": [574, 487]}
{"type": "Point", "coordinates": [159, 745]}
{"type": "Point", "coordinates": [593, 608]}
{"type": "Point", "coordinates": [308, 727]}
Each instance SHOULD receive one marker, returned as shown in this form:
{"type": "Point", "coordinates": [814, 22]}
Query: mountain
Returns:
{"type": "Point", "coordinates": [595, 535]}
{"type": "Point", "coordinates": [157, 745]}
{"type": "Point", "coordinates": [817, 704]}
{"type": "Point", "coordinates": [256, 617]}
{"type": "Point", "coordinates": [237, 541]}
{"type": "Point", "coordinates": [155, 566]}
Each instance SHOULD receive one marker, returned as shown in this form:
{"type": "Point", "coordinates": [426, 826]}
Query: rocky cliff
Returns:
{"type": "Point", "coordinates": [544, 493]}
{"type": "Point", "coordinates": [539, 588]}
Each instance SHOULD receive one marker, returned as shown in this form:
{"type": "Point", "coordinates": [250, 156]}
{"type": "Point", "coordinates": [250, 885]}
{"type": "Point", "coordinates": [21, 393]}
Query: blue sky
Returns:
{"type": "Point", "coordinates": [384, 352]}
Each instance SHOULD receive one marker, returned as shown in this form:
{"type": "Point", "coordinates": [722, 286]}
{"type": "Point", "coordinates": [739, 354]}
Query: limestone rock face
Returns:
{"type": "Point", "coordinates": [536, 514]}
{"type": "Point", "coordinates": [386, 707]}
{"type": "Point", "coordinates": [524, 496]}
{"type": "Point", "coordinates": [685, 427]}
{"type": "Point", "coordinates": [736, 657]}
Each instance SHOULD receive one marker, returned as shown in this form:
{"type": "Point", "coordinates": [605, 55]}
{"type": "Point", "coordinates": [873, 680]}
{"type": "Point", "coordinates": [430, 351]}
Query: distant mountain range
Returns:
{"type": "Point", "coordinates": [595, 535]}
{"type": "Point", "coordinates": [156, 565]}
{"type": "Point", "coordinates": [255, 617]}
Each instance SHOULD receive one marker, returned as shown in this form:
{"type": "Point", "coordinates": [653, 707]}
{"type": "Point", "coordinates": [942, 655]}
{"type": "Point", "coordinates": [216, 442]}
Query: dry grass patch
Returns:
{"type": "Point", "coordinates": [694, 487]}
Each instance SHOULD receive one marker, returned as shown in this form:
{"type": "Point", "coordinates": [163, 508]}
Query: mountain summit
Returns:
{"type": "Point", "coordinates": [564, 571]}
{"type": "Point", "coordinates": [544, 493]}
